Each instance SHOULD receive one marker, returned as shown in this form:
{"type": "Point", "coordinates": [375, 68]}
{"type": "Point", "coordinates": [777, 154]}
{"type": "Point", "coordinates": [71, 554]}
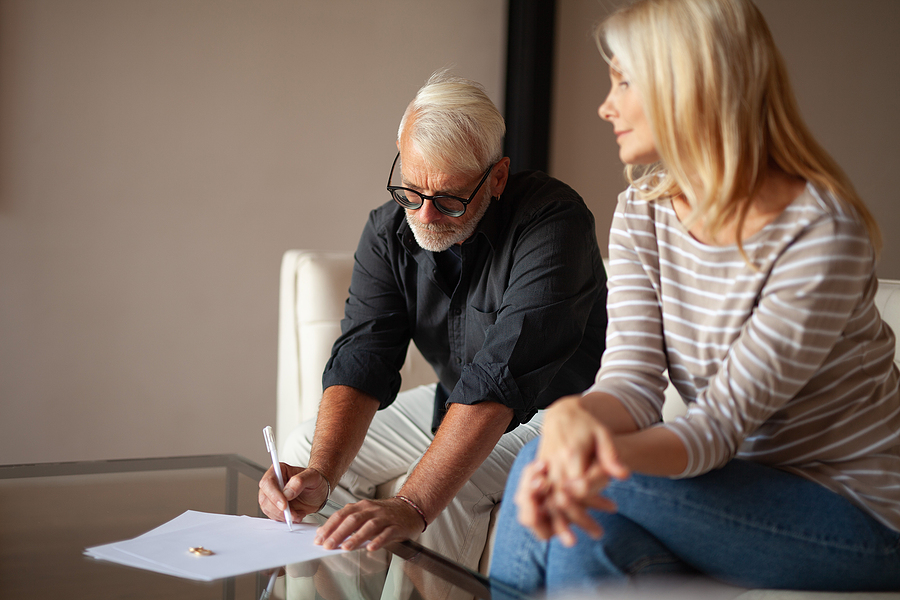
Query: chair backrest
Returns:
{"type": "Point", "coordinates": [887, 299]}
{"type": "Point", "coordinates": [313, 289]}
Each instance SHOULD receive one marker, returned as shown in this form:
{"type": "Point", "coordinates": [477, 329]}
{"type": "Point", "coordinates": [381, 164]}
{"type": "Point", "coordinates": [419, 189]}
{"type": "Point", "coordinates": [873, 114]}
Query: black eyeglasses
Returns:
{"type": "Point", "coordinates": [452, 206]}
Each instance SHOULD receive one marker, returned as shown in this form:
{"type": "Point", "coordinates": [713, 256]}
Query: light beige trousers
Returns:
{"type": "Point", "coordinates": [397, 438]}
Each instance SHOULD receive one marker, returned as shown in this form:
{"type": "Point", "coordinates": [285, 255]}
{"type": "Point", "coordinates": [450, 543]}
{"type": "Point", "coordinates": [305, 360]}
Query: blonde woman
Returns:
{"type": "Point", "coordinates": [743, 262]}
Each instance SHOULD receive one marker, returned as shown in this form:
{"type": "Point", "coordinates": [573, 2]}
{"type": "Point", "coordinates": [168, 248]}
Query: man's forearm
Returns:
{"type": "Point", "coordinates": [466, 437]}
{"type": "Point", "coordinates": [345, 414]}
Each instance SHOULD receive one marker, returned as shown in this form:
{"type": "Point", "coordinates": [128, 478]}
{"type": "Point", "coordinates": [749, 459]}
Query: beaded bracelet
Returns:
{"type": "Point", "coordinates": [418, 510]}
{"type": "Point", "coordinates": [327, 485]}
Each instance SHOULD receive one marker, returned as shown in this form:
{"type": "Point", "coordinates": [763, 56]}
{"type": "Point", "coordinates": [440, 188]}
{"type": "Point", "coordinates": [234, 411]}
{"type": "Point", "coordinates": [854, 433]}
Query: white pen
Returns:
{"type": "Point", "coordinates": [267, 593]}
{"type": "Point", "coordinates": [276, 466]}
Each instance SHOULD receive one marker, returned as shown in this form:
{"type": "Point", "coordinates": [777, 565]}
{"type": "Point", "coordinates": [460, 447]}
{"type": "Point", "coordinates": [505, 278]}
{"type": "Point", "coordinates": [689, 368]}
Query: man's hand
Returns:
{"type": "Point", "coordinates": [370, 522]}
{"type": "Point", "coordinates": [305, 491]}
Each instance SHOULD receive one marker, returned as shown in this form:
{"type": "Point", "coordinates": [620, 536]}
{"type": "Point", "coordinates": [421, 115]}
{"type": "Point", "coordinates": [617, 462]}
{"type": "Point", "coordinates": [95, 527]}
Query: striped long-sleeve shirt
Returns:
{"type": "Point", "coordinates": [789, 366]}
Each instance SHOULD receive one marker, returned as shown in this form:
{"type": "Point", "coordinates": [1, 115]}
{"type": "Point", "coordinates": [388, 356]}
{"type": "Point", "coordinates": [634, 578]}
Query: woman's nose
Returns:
{"type": "Point", "coordinates": [605, 110]}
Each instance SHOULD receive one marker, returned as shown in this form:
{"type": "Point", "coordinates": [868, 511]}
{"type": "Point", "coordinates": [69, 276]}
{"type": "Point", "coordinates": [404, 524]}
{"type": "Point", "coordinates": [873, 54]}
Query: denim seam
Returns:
{"type": "Point", "coordinates": [648, 561]}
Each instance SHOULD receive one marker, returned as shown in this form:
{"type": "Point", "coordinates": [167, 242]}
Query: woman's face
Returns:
{"type": "Point", "coordinates": [624, 109]}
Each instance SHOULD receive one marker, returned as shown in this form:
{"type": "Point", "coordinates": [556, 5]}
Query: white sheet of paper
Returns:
{"type": "Point", "coordinates": [240, 545]}
{"type": "Point", "coordinates": [111, 552]}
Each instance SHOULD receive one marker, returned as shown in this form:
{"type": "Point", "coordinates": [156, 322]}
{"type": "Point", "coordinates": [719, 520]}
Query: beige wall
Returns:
{"type": "Point", "coordinates": [156, 159]}
{"type": "Point", "coordinates": [844, 60]}
{"type": "Point", "coordinates": [158, 156]}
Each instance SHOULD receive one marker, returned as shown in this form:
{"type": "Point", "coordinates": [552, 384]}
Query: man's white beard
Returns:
{"type": "Point", "coordinates": [437, 237]}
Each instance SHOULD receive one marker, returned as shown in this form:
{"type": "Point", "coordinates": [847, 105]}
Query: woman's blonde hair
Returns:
{"type": "Point", "coordinates": [716, 92]}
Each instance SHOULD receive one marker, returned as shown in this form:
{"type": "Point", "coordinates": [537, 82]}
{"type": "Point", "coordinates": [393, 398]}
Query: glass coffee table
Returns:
{"type": "Point", "coordinates": [49, 513]}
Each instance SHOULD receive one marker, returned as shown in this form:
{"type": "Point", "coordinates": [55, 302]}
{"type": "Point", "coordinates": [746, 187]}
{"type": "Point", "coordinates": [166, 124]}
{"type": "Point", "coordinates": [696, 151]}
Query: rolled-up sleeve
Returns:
{"type": "Point", "coordinates": [375, 330]}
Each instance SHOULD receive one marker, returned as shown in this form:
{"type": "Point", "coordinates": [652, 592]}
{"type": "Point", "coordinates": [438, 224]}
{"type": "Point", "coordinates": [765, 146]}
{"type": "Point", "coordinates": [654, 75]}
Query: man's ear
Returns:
{"type": "Point", "coordinates": [499, 176]}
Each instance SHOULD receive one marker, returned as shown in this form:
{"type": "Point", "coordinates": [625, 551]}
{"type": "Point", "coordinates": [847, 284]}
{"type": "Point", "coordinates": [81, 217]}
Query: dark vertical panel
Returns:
{"type": "Point", "coordinates": [529, 79]}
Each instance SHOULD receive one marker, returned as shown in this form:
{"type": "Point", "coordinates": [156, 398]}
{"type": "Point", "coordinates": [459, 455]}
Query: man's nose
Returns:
{"type": "Point", "coordinates": [428, 213]}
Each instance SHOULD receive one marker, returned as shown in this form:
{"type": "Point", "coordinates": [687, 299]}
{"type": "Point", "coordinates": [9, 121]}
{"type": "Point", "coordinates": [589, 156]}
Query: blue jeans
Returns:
{"type": "Point", "coordinates": [746, 524]}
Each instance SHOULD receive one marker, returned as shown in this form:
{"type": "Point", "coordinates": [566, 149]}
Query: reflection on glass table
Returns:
{"type": "Point", "coordinates": [49, 514]}
{"type": "Point", "coordinates": [402, 571]}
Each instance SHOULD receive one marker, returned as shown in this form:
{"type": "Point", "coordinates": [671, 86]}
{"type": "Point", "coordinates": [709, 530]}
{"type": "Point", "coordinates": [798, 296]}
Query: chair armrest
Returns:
{"type": "Point", "coordinates": [312, 291]}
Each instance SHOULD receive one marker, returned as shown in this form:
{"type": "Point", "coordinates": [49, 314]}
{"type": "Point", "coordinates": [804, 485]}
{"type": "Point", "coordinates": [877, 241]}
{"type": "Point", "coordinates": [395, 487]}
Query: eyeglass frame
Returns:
{"type": "Point", "coordinates": [436, 198]}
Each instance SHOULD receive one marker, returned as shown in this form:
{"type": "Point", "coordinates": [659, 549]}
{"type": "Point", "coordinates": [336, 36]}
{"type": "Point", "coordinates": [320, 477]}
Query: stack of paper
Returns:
{"type": "Point", "coordinates": [238, 545]}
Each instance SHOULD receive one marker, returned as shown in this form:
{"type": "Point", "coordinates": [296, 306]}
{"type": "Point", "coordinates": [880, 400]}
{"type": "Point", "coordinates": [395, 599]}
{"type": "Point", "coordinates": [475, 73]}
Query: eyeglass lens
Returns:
{"type": "Point", "coordinates": [413, 200]}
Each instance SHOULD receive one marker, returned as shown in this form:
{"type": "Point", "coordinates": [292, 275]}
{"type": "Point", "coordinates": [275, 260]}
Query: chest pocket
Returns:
{"type": "Point", "coordinates": [477, 324]}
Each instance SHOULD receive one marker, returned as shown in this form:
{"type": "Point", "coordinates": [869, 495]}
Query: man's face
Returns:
{"type": "Point", "coordinates": [433, 230]}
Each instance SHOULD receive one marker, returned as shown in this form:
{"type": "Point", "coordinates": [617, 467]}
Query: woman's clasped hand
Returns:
{"type": "Point", "coordinates": [576, 459]}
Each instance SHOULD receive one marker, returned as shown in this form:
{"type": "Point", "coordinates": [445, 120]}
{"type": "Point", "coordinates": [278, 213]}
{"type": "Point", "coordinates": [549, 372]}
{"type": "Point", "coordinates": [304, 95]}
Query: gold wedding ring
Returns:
{"type": "Point", "coordinates": [200, 551]}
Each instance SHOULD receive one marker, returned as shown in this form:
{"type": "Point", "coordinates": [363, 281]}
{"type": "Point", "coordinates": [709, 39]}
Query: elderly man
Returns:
{"type": "Point", "coordinates": [498, 280]}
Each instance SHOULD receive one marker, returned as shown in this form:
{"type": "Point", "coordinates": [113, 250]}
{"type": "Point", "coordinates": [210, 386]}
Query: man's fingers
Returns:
{"type": "Point", "coordinates": [365, 533]}
{"type": "Point", "coordinates": [386, 536]}
{"type": "Point", "coordinates": [343, 524]}
{"type": "Point", "coordinates": [297, 482]}
{"type": "Point", "coordinates": [370, 523]}
{"type": "Point", "coordinates": [326, 530]}
{"type": "Point", "coordinates": [269, 508]}
{"type": "Point", "coordinates": [270, 492]}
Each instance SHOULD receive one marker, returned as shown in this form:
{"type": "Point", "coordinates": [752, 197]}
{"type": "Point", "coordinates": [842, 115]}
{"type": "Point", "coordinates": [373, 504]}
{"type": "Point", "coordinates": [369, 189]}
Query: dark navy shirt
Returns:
{"type": "Point", "coordinates": [520, 321]}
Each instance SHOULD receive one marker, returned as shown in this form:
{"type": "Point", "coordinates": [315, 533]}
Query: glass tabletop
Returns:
{"type": "Point", "coordinates": [49, 514]}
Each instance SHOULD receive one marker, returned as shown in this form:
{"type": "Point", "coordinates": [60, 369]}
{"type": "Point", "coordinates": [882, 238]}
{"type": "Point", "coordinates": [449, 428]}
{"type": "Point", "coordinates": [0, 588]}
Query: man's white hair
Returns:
{"type": "Point", "coordinates": [454, 125]}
